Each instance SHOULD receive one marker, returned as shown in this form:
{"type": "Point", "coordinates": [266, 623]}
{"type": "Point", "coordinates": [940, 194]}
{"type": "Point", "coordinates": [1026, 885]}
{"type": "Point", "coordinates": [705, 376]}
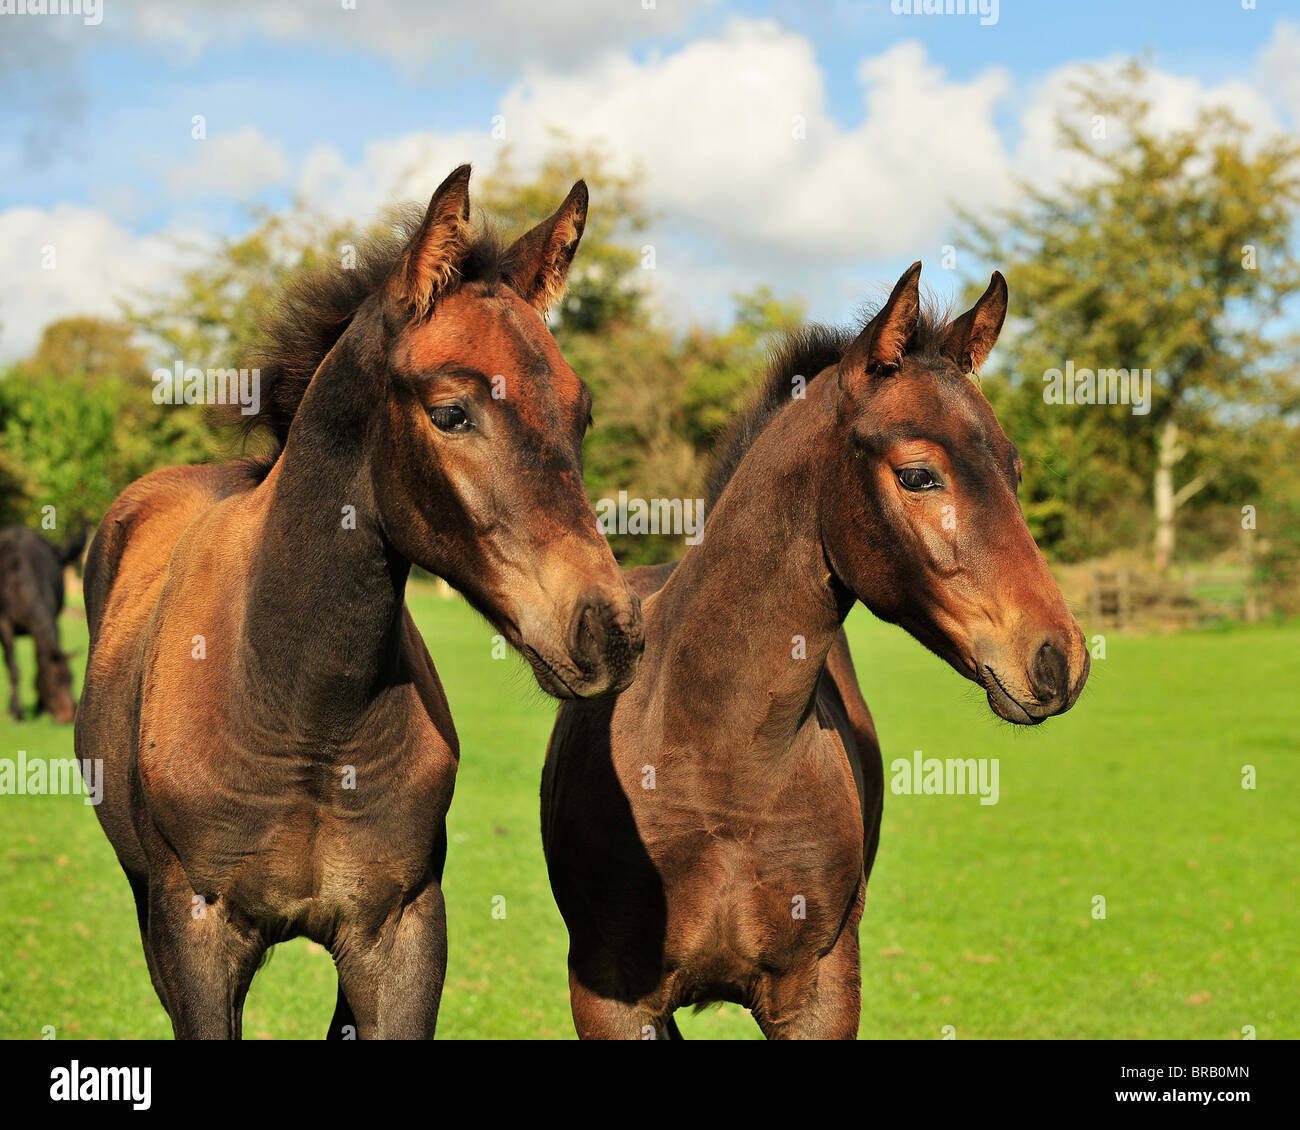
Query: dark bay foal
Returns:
{"type": "Point", "coordinates": [278, 752]}
{"type": "Point", "coordinates": [709, 833]}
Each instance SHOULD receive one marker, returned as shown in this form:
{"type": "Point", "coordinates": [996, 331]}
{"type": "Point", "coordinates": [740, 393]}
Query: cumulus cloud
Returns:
{"type": "Point", "coordinates": [749, 173]}
{"type": "Point", "coordinates": [229, 166]}
{"type": "Point", "coordinates": [499, 34]}
{"type": "Point", "coordinates": [1279, 70]}
{"type": "Point", "coordinates": [733, 134]}
{"type": "Point", "coordinates": [1175, 103]}
{"type": "Point", "coordinates": [70, 260]}
{"type": "Point", "coordinates": [390, 171]}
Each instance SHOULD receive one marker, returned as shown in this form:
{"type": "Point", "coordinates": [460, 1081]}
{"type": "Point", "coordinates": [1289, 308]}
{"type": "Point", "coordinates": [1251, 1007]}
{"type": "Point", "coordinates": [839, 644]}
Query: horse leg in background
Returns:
{"type": "Point", "coordinates": [391, 984]}
{"type": "Point", "coordinates": [204, 961]}
{"type": "Point", "coordinates": [824, 1006]}
{"type": "Point", "coordinates": [343, 1024]}
{"type": "Point", "coordinates": [11, 661]}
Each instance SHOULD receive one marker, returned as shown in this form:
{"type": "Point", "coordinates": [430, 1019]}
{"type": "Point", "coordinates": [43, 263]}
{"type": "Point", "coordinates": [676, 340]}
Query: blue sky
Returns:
{"type": "Point", "coordinates": [350, 110]}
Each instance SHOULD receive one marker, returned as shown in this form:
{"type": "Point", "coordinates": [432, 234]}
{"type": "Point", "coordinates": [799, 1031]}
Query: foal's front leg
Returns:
{"type": "Point", "coordinates": [596, 1017]}
{"type": "Point", "coordinates": [392, 982]}
{"type": "Point", "coordinates": [11, 661]}
{"type": "Point", "coordinates": [204, 962]}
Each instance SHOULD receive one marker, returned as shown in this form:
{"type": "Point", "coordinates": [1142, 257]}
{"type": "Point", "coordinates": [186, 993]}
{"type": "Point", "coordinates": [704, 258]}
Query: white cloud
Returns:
{"type": "Point", "coordinates": [740, 199]}
{"type": "Point", "coordinates": [1280, 67]}
{"type": "Point", "coordinates": [711, 128]}
{"type": "Point", "coordinates": [96, 264]}
{"type": "Point", "coordinates": [500, 34]}
{"type": "Point", "coordinates": [716, 126]}
{"type": "Point", "coordinates": [1175, 102]}
{"type": "Point", "coordinates": [231, 166]}
{"type": "Point", "coordinates": [390, 172]}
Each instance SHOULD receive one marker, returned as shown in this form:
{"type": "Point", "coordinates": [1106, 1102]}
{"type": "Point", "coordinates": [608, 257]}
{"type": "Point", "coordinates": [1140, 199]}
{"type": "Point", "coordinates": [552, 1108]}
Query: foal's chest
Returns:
{"type": "Point", "coordinates": [290, 832]}
{"type": "Point", "coordinates": [758, 882]}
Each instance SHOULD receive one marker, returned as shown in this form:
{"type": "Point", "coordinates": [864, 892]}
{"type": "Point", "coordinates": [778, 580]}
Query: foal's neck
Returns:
{"type": "Point", "coordinates": [748, 617]}
{"type": "Point", "coordinates": [326, 597]}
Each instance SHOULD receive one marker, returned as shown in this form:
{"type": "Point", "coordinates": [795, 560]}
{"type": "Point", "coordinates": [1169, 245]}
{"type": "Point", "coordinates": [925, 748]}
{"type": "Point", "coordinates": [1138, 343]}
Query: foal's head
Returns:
{"type": "Point", "coordinates": [475, 453]}
{"type": "Point", "coordinates": [922, 521]}
{"type": "Point", "coordinates": [483, 482]}
{"type": "Point", "coordinates": [54, 686]}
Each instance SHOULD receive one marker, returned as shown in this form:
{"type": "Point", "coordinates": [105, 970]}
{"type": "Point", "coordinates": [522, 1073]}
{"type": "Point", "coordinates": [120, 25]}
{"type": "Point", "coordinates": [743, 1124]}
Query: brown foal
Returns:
{"type": "Point", "coordinates": [278, 752]}
{"type": "Point", "coordinates": [709, 832]}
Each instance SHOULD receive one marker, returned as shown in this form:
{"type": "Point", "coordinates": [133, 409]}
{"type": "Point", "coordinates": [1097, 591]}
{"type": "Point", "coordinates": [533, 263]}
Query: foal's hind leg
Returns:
{"type": "Point", "coordinates": [204, 961]}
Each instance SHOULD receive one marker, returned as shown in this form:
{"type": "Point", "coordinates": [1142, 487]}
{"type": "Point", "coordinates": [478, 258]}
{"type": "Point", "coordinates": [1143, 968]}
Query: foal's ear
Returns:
{"type": "Point", "coordinates": [433, 257]}
{"type": "Point", "coordinates": [537, 263]}
{"type": "Point", "coordinates": [882, 343]}
{"type": "Point", "coordinates": [970, 339]}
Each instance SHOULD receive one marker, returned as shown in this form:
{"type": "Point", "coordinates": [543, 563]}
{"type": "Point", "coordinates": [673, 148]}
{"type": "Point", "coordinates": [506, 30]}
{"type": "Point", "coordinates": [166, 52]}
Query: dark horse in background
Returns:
{"type": "Point", "coordinates": [710, 832]}
{"type": "Point", "coordinates": [278, 752]}
{"type": "Point", "coordinates": [31, 598]}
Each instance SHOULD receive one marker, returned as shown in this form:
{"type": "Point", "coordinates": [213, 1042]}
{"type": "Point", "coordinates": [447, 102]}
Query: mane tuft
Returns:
{"type": "Point", "coordinates": [316, 306]}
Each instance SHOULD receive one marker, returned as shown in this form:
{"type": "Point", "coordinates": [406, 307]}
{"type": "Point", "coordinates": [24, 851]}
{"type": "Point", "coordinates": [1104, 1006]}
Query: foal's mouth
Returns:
{"type": "Point", "coordinates": [559, 686]}
{"type": "Point", "coordinates": [1004, 704]}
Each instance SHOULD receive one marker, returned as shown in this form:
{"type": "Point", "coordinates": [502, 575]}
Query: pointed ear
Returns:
{"type": "Point", "coordinates": [882, 343]}
{"type": "Point", "coordinates": [537, 263]}
{"type": "Point", "coordinates": [434, 256]}
{"type": "Point", "coordinates": [970, 339]}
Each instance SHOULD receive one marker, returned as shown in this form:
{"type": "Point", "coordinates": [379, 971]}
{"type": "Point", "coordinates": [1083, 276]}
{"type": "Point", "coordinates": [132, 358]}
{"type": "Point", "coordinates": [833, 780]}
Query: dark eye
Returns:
{"type": "Point", "coordinates": [449, 418]}
{"type": "Point", "coordinates": [917, 478]}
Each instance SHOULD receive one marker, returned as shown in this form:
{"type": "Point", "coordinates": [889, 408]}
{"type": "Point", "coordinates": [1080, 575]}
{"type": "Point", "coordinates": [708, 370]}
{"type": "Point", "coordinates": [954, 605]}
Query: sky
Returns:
{"type": "Point", "coordinates": [818, 148]}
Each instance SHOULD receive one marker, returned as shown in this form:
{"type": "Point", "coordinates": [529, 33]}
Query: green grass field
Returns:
{"type": "Point", "coordinates": [978, 917]}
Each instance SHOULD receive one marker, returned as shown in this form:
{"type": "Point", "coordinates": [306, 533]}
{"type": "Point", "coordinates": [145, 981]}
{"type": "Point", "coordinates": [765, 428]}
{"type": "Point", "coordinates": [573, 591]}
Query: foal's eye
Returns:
{"type": "Point", "coordinates": [917, 478]}
{"type": "Point", "coordinates": [449, 418]}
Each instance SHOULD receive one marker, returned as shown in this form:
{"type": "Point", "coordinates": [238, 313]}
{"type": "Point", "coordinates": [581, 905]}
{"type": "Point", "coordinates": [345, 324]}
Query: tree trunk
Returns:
{"type": "Point", "coordinates": [1167, 455]}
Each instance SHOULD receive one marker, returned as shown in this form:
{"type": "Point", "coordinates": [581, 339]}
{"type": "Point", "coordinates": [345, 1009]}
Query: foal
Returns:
{"type": "Point", "coordinates": [709, 833]}
{"type": "Point", "coordinates": [278, 752]}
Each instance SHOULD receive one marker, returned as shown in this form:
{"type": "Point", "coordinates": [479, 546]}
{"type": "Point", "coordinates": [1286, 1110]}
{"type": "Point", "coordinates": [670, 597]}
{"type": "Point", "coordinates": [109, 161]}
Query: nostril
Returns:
{"type": "Point", "coordinates": [1050, 672]}
{"type": "Point", "coordinates": [585, 636]}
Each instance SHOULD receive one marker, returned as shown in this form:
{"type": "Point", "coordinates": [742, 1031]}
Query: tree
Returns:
{"type": "Point", "coordinates": [605, 287]}
{"type": "Point", "coordinates": [78, 424]}
{"type": "Point", "coordinates": [1175, 256]}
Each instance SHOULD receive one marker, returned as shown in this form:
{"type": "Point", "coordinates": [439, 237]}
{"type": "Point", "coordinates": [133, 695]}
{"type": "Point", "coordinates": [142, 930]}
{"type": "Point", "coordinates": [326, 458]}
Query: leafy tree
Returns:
{"type": "Point", "coordinates": [79, 423]}
{"type": "Point", "coordinates": [1175, 257]}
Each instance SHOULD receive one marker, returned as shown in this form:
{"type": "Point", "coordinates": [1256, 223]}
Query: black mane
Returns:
{"type": "Point", "coordinates": [807, 352]}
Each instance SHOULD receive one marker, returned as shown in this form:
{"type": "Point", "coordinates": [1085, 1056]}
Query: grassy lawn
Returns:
{"type": "Point", "coordinates": [978, 917]}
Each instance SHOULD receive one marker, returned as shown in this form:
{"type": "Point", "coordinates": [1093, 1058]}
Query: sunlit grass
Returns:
{"type": "Point", "coordinates": [978, 917]}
